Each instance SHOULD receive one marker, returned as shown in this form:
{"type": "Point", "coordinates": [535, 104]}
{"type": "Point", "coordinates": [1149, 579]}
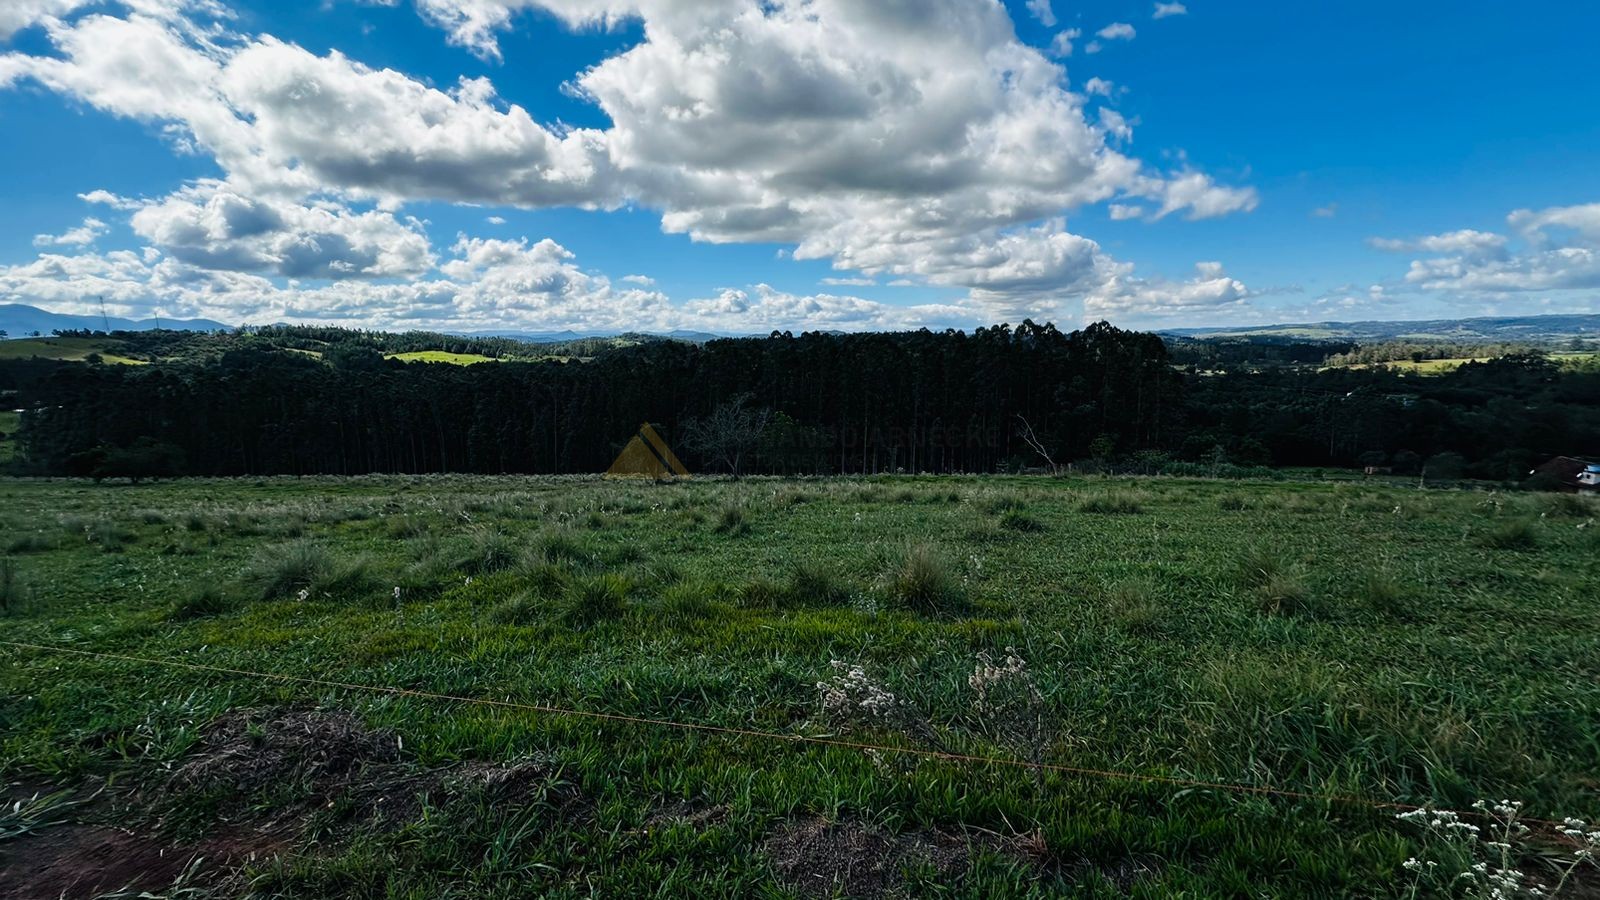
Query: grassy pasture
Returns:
{"type": "Point", "coordinates": [442, 356]}
{"type": "Point", "coordinates": [64, 348]}
{"type": "Point", "coordinates": [1334, 639]}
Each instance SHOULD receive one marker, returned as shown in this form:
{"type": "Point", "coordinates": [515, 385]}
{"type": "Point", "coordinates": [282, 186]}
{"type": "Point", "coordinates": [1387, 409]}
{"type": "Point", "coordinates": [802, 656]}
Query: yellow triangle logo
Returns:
{"type": "Point", "coordinates": [647, 456]}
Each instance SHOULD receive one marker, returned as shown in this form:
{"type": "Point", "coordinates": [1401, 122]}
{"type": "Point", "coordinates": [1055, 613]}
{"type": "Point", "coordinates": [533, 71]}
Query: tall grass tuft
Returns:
{"type": "Point", "coordinates": [922, 580]}
{"type": "Point", "coordinates": [1572, 506]}
{"type": "Point", "coordinates": [1133, 604]}
{"type": "Point", "coordinates": [809, 582]}
{"type": "Point", "coordinates": [110, 536]}
{"type": "Point", "coordinates": [16, 594]}
{"type": "Point", "coordinates": [1113, 503]}
{"type": "Point", "coordinates": [593, 600]}
{"type": "Point", "coordinates": [202, 600]}
{"type": "Point", "coordinates": [731, 520]}
{"type": "Point", "coordinates": [1019, 521]}
{"type": "Point", "coordinates": [489, 550]}
{"type": "Point", "coordinates": [1514, 534]}
{"type": "Point", "coordinates": [1277, 583]}
{"type": "Point", "coordinates": [287, 570]}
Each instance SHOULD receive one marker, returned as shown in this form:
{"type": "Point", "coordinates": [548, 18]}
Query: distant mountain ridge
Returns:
{"type": "Point", "coordinates": [21, 320]}
{"type": "Point", "coordinates": [1533, 329]}
{"type": "Point", "coordinates": [18, 320]}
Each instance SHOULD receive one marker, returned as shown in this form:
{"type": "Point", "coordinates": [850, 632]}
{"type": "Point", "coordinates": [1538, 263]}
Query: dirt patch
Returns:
{"type": "Point", "coordinates": [257, 784]}
{"type": "Point", "coordinates": [315, 753]}
{"type": "Point", "coordinates": [816, 858]}
{"type": "Point", "coordinates": [85, 860]}
{"type": "Point", "coordinates": [696, 816]}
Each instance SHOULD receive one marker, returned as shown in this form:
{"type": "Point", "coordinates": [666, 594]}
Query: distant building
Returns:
{"type": "Point", "coordinates": [1568, 473]}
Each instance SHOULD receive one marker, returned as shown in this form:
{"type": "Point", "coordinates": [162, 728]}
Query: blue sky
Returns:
{"type": "Point", "coordinates": [721, 165]}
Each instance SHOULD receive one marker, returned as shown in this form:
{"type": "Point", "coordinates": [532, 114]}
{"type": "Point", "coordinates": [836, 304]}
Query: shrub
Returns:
{"type": "Point", "coordinates": [1515, 534]}
{"type": "Point", "coordinates": [1113, 503]}
{"type": "Point", "coordinates": [922, 580]}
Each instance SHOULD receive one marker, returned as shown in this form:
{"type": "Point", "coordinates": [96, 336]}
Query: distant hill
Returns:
{"type": "Point", "coordinates": [1527, 329]}
{"type": "Point", "coordinates": [19, 320]}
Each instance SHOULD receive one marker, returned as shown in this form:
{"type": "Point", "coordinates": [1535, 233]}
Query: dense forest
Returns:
{"type": "Point", "coordinates": [994, 399]}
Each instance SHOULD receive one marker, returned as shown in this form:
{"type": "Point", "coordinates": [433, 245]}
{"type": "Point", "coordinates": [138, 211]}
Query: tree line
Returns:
{"type": "Point", "coordinates": [994, 399]}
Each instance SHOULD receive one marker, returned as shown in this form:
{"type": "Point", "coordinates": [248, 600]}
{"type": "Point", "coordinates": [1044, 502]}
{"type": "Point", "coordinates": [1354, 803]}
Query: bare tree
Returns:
{"type": "Point", "coordinates": [1027, 434]}
{"type": "Point", "coordinates": [729, 434]}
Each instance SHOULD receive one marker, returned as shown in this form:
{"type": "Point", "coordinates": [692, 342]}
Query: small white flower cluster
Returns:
{"type": "Point", "coordinates": [989, 677]}
{"type": "Point", "coordinates": [851, 694]}
{"type": "Point", "coordinates": [1494, 873]}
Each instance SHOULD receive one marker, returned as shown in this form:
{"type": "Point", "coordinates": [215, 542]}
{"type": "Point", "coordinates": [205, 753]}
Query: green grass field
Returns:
{"type": "Point", "coordinates": [442, 356]}
{"type": "Point", "coordinates": [1382, 644]}
{"type": "Point", "coordinates": [64, 348]}
{"type": "Point", "coordinates": [1569, 358]}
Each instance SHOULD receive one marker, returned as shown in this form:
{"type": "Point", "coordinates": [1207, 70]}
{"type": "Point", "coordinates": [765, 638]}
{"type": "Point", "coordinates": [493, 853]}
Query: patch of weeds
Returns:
{"type": "Point", "coordinates": [595, 599]}
{"type": "Point", "coordinates": [809, 582]}
{"type": "Point", "coordinates": [1113, 503]}
{"type": "Point", "coordinates": [1004, 503]}
{"type": "Point", "coordinates": [1572, 506]}
{"type": "Point", "coordinates": [405, 527]}
{"type": "Point", "coordinates": [202, 601]}
{"type": "Point", "coordinates": [108, 535]}
{"type": "Point", "coordinates": [30, 542]}
{"type": "Point", "coordinates": [1232, 503]}
{"type": "Point", "coordinates": [289, 570]}
{"type": "Point", "coordinates": [558, 545]}
{"type": "Point", "coordinates": [763, 593]}
{"type": "Point", "coordinates": [922, 580]}
{"type": "Point", "coordinates": [489, 550]}
{"type": "Point", "coordinates": [1133, 604]}
{"type": "Point", "coordinates": [16, 593]}
{"type": "Point", "coordinates": [522, 608]}
{"type": "Point", "coordinates": [1514, 534]}
{"type": "Point", "coordinates": [732, 521]}
{"type": "Point", "coordinates": [689, 601]}
{"type": "Point", "coordinates": [1019, 521]}
{"type": "Point", "coordinates": [1384, 595]}
{"type": "Point", "coordinates": [1278, 585]}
